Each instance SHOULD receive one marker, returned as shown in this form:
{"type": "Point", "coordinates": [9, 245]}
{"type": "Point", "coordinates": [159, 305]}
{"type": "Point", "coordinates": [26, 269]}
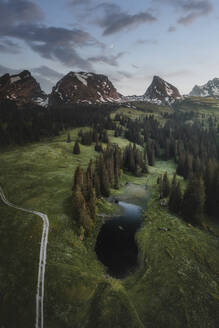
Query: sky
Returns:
{"type": "Point", "coordinates": [129, 41]}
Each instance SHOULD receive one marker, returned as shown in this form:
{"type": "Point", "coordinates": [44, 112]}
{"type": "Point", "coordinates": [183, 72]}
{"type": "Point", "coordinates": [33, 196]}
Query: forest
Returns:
{"type": "Point", "coordinates": [193, 147]}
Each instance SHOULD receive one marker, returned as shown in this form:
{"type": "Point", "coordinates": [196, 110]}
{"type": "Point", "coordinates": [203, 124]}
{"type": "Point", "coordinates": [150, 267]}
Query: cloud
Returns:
{"type": "Point", "coordinates": [13, 12]}
{"type": "Point", "coordinates": [47, 72]}
{"type": "Point", "coordinates": [22, 19]}
{"type": "Point", "coordinates": [47, 77]}
{"type": "Point", "coordinates": [147, 41]}
{"type": "Point", "coordinates": [79, 2]}
{"type": "Point", "coordinates": [55, 43]}
{"type": "Point", "coordinates": [172, 28]}
{"type": "Point", "coordinates": [125, 74]}
{"type": "Point", "coordinates": [195, 10]}
{"type": "Point", "coordinates": [110, 60]}
{"type": "Point", "coordinates": [192, 9]}
{"type": "Point", "coordinates": [115, 20]}
{"type": "Point", "coordinates": [7, 46]}
{"type": "Point", "coordinates": [4, 70]}
{"type": "Point", "coordinates": [135, 66]}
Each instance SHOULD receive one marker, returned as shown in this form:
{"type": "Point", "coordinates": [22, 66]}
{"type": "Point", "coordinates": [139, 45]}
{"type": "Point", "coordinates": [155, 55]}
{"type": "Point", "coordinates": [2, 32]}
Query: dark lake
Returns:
{"type": "Point", "coordinates": [116, 247]}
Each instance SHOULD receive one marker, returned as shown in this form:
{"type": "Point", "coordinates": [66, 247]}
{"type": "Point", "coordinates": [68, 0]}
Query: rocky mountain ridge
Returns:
{"type": "Point", "coordinates": [210, 89]}
{"type": "Point", "coordinates": [83, 87]}
{"type": "Point", "coordinates": [22, 88]}
{"type": "Point", "coordinates": [159, 92]}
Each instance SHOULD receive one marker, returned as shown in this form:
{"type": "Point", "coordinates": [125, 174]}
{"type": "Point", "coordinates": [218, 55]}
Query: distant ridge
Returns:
{"type": "Point", "coordinates": [159, 92]}
{"type": "Point", "coordinates": [22, 88]}
{"type": "Point", "coordinates": [210, 89]}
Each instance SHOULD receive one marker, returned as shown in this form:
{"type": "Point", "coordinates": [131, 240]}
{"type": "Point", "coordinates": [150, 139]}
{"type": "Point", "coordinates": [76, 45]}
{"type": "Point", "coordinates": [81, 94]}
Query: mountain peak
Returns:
{"type": "Point", "coordinates": [21, 88]}
{"type": "Point", "coordinates": [84, 87]}
{"type": "Point", "coordinates": [161, 92]}
{"type": "Point", "coordinates": [210, 89]}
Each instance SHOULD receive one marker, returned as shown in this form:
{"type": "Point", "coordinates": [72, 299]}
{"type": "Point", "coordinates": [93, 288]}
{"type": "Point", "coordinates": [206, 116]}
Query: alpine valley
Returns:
{"type": "Point", "coordinates": [109, 204]}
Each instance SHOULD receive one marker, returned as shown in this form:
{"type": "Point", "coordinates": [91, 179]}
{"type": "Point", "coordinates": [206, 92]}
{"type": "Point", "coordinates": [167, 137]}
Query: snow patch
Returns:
{"type": "Point", "coordinates": [42, 102]}
{"type": "Point", "coordinates": [82, 78]}
{"type": "Point", "coordinates": [15, 79]}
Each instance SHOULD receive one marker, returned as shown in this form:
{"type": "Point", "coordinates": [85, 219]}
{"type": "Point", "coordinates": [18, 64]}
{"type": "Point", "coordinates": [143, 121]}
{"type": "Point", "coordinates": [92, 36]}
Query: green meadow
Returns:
{"type": "Point", "coordinates": [174, 285]}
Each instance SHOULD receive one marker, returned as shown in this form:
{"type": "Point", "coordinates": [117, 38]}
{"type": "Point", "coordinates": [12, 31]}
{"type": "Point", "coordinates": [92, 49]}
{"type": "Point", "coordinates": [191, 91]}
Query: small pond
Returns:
{"type": "Point", "coordinates": [116, 246]}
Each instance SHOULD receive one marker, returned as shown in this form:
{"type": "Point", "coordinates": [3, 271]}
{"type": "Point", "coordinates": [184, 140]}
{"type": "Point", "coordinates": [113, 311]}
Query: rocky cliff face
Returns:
{"type": "Point", "coordinates": [210, 89]}
{"type": "Point", "coordinates": [22, 88]}
{"type": "Point", "coordinates": [161, 92]}
{"type": "Point", "coordinates": [84, 87]}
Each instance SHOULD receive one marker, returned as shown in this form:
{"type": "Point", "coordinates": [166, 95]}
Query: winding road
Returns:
{"type": "Point", "coordinates": [42, 260]}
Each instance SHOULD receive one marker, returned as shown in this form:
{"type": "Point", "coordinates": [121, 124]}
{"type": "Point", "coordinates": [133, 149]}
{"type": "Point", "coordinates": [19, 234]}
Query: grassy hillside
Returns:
{"type": "Point", "coordinates": [203, 106]}
{"type": "Point", "coordinates": [175, 285]}
{"type": "Point", "coordinates": [40, 176]}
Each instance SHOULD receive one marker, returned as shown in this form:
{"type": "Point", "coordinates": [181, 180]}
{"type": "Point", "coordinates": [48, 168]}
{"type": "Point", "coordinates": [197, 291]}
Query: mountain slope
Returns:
{"type": "Point", "coordinates": [161, 92]}
{"type": "Point", "coordinates": [210, 89]}
{"type": "Point", "coordinates": [84, 87]}
{"type": "Point", "coordinates": [22, 88]}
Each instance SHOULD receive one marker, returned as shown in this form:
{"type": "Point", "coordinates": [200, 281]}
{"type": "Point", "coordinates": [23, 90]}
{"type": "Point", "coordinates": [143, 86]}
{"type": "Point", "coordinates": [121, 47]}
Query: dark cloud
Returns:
{"type": "Point", "coordinates": [7, 46]}
{"type": "Point", "coordinates": [80, 2]}
{"type": "Point", "coordinates": [195, 9]}
{"type": "Point", "coordinates": [192, 9]}
{"type": "Point", "coordinates": [21, 19]}
{"type": "Point", "coordinates": [110, 60]}
{"type": "Point", "coordinates": [55, 43]}
{"type": "Point", "coordinates": [13, 12]}
{"type": "Point", "coordinates": [146, 41]}
{"type": "Point", "coordinates": [115, 20]}
{"type": "Point", "coordinates": [172, 29]}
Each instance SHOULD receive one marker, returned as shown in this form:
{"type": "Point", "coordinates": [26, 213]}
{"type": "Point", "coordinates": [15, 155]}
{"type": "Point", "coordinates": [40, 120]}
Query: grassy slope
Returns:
{"type": "Point", "coordinates": [146, 109]}
{"type": "Point", "coordinates": [79, 293]}
{"type": "Point", "coordinates": [177, 282]}
{"type": "Point", "coordinates": [40, 176]}
{"type": "Point", "coordinates": [203, 106]}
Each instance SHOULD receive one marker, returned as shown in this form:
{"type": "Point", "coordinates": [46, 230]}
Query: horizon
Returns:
{"type": "Point", "coordinates": [128, 43]}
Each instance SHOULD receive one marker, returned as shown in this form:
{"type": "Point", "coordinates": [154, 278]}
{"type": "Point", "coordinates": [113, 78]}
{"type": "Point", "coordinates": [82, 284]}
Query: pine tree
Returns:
{"type": "Point", "coordinates": [116, 178]}
{"type": "Point", "coordinates": [97, 184]}
{"type": "Point", "coordinates": [68, 140]}
{"type": "Point", "coordinates": [166, 185]}
{"type": "Point", "coordinates": [175, 200]}
{"type": "Point", "coordinates": [145, 167]}
{"type": "Point", "coordinates": [78, 178]}
{"type": "Point", "coordinates": [76, 149]}
{"type": "Point", "coordinates": [80, 211]}
{"type": "Point", "coordinates": [194, 200]}
{"type": "Point", "coordinates": [92, 203]}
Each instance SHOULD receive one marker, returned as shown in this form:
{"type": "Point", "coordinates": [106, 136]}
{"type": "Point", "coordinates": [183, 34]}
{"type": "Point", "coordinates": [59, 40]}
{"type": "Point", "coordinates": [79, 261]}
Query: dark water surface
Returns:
{"type": "Point", "coordinates": [116, 247]}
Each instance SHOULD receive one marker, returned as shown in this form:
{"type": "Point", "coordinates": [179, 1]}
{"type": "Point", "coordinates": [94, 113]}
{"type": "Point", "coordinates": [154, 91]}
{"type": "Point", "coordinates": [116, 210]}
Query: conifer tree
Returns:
{"type": "Point", "coordinates": [92, 203]}
{"type": "Point", "coordinates": [78, 177]}
{"type": "Point", "coordinates": [166, 185]}
{"type": "Point", "coordinates": [194, 200]}
{"type": "Point", "coordinates": [144, 167]}
{"type": "Point", "coordinates": [175, 200]}
{"type": "Point", "coordinates": [76, 149]}
{"type": "Point", "coordinates": [97, 184]}
{"type": "Point", "coordinates": [68, 140]}
{"type": "Point", "coordinates": [80, 210]}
